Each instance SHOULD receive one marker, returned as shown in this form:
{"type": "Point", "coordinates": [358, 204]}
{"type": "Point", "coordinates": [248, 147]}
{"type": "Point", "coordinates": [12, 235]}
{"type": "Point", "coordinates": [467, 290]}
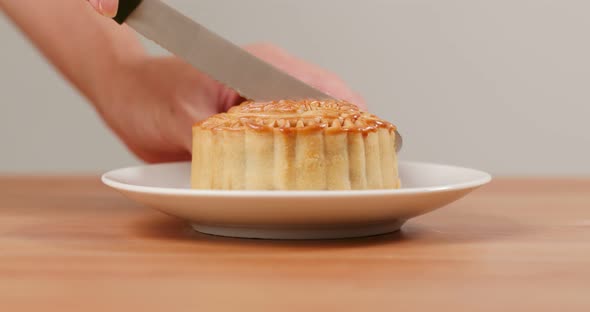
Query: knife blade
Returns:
{"type": "Point", "coordinates": [214, 55]}
{"type": "Point", "coordinates": [210, 53]}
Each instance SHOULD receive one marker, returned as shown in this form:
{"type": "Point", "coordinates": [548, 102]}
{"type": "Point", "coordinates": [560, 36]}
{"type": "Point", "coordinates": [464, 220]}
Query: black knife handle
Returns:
{"type": "Point", "coordinates": [126, 7]}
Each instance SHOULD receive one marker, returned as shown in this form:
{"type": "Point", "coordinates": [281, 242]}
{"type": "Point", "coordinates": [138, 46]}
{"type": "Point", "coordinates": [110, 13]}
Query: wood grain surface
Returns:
{"type": "Point", "coordinates": [69, 243]}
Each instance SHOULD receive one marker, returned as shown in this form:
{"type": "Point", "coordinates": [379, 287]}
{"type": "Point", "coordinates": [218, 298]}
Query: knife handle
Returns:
{"type": "Point", "coordinates": [126, 7]}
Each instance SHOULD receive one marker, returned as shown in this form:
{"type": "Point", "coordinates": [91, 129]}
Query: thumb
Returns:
{"type": "Point", "coordinates": [107, 8]}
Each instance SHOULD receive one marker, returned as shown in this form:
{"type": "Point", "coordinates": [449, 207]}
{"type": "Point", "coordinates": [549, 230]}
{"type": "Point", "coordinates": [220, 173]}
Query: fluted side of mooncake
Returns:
{"type": "Point", "coordinates": [316, 160]}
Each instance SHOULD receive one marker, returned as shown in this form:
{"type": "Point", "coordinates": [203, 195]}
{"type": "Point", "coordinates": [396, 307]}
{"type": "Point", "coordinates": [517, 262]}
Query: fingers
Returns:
{"type": "Point", "coordinates": [317, 77]}
{"type": "Point", "coordinates": [107, 8]}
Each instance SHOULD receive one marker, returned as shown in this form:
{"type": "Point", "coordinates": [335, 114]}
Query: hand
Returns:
{"type": "Point", "coordinates": [152, 103]}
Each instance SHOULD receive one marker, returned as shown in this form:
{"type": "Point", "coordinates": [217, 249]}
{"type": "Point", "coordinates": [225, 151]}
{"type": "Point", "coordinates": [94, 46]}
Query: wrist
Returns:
{"type": "Point", "coordinates": [114, 81]}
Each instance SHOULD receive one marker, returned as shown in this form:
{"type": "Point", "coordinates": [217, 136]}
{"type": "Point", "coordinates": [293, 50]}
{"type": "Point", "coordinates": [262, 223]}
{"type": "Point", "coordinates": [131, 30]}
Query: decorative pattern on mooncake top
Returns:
{"type": "Point", "coordinates": [291, 115]}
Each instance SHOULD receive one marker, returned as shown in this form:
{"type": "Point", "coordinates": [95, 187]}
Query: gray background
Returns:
{"type": "Point", "coordinates": [497, 85]}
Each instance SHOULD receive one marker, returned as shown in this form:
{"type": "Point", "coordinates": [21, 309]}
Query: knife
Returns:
{"type": "Point", "coordinates": [210, 53]}
{"type": "Point", "coordinates": [217, 57]}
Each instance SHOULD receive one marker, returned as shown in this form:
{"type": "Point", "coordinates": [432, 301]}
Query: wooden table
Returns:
{"type": "Point", "coordinates": [72, 244]}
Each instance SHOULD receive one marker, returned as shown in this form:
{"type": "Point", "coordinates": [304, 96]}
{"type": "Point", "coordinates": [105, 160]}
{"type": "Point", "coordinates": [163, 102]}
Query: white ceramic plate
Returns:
{"type": "Point", "coordinates": [296, 214]}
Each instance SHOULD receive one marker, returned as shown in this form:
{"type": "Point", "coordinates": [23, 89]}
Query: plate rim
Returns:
{"type": "Point", "coordinates": [486, 178]}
